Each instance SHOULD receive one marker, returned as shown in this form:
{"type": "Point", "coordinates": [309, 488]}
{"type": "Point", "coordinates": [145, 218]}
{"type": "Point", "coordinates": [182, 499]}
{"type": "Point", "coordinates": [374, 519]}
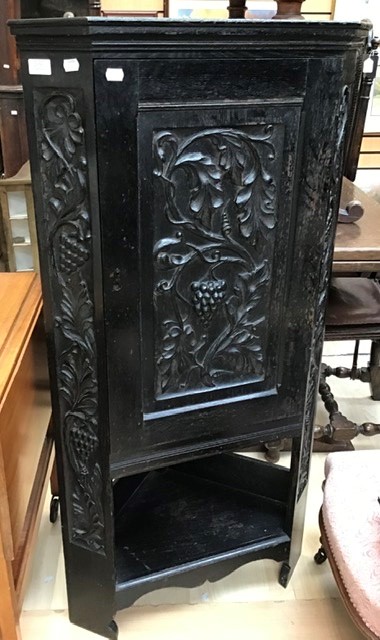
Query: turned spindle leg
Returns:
{"type": "Point", "coordinates": [237, 9]}
{"type": "Point", "coordinates": [374, 370]}
{"type": "Point", "coordinates": [288, 10]}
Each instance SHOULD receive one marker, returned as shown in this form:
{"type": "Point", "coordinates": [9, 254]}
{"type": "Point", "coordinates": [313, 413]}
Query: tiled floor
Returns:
{"type": "Point", "coordinates": [247, 604]}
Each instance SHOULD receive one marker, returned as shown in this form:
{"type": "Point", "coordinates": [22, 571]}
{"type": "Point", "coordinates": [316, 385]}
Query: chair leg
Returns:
{"type": "Point", "coordinates": [374, 370]}
{"type": "Point", "coordinates": [54, 502]}
{"type": "Point", "coordinates": [339, 428]}
{"type": "Point", "coordinates": [320, 557]}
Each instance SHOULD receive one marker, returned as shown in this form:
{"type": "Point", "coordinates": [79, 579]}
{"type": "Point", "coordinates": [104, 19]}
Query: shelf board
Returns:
{"type": "Point", "coordinates": [22, 244]}
{"type": "Point", "coordinates": [173, 521]}
{"type": "Point", "coordinates": [22, 216]}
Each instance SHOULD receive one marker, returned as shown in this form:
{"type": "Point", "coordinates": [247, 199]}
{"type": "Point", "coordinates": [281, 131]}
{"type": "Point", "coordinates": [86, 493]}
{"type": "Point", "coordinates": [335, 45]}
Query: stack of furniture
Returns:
{"type": "Point", "coordinates": [26, 443]}
{"type": "Point", "coordinates": [17, 208]}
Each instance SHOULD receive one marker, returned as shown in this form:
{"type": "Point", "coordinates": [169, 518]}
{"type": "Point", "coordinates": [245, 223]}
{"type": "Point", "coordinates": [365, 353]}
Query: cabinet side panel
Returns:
{"type": "Point", "coordinates": [63, 167]}
{"type": "Point", "coordinates": [331, 84]}
{"type": "Point", "coordinates": [59, 111]}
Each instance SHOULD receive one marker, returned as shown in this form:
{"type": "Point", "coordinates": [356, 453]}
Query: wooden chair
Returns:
{"type": "Point", "coordinates": [349, 523]}
{"type": "Point", "coordinates": [353, 311]}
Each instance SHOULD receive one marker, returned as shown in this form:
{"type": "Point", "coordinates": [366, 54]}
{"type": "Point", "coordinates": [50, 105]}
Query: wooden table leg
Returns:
{"type": "Point", "coordinates": [9, 624]}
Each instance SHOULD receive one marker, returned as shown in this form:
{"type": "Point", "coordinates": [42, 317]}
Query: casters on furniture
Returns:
{"type": "Point", "coordinates": [54, 508]}
{"type": "Point", "coordinates": [320, 557]}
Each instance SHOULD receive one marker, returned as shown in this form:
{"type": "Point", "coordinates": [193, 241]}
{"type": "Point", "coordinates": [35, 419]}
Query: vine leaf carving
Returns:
{"type": "Point", "coordinates": [226, 177]}
{"type": "Point", "coordinates": [218, 190]}
{"type": "Point", "coordinates": [75, 321]}
{"type": "Point", "coordinates": [68, 228]}
{"type": "Point", "coordinates": [325, 169]}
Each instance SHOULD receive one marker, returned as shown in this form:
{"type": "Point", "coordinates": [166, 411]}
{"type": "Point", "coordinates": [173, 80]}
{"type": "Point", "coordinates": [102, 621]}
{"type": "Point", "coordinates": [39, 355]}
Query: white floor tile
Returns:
{"type": "Point", "coordinates": [45, 602]}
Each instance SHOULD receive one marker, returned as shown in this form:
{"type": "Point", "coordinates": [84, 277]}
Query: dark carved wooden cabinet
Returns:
{"type": "Point", "coordinates": [186, 181]}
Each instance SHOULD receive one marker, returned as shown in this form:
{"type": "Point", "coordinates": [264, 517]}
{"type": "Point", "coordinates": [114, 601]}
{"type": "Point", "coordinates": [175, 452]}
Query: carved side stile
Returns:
{"type": "Point", "coordinates": [67, 240]}
{"type": "Point", "coordinates": [331, 175]}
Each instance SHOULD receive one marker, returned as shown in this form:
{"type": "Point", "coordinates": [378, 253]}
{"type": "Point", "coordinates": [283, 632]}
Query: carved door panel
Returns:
{"type": "Point", "coordinates": [197, 297]}
{"type": "Point", "coordinates": [213, 219]}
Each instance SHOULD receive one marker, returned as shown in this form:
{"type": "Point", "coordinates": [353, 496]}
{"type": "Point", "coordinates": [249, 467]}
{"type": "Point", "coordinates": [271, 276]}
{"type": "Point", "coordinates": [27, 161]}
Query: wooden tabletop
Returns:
{"type": "Point", "coordinates": [20, 305]}
{"type": "Point", "coordinates": [357, 244]}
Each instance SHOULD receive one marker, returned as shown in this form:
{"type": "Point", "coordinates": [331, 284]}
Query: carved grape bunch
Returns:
{"type": "Point", "coordinates": [84, 442]}
{"type": "Point", "coordinates": [207, 295]}
{"type": "Point", "coordinates": [73, 253]}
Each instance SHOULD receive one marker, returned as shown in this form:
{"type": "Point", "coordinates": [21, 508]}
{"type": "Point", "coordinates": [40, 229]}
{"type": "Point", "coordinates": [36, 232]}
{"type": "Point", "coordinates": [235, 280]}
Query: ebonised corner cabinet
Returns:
{"type": "Point", "coordinates": [186, 180]}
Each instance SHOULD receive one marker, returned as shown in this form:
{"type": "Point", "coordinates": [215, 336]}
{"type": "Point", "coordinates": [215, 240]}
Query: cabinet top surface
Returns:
{"type": "Point", "coordinates": [20, 305]}
{"type": "Point", "coordinates": [312, 35]}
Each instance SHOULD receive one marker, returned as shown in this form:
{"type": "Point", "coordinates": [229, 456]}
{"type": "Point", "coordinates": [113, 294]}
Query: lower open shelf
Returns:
{"type": "Point", "coordinates": [221, 509]}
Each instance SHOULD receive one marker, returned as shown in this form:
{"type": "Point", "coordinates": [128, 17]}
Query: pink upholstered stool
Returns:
{"type": "Point", "coordinates": [350, 533]}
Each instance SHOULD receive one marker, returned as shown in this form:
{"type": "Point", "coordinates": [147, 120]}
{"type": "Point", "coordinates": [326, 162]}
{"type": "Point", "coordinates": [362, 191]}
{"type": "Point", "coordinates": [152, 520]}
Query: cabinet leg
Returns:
{"type": "Point", "coordinates": [113, 630]}
{"type": "Point", "coordinates": [273, 450]}
{"type": "Point", "coordinates": [374, 370]}
{"type": "Point", "coordinates": [285, 574]}
{"type": "Point", "coordinates": [9, 626]}
{"type": "Point", "coordinates": [104, 629]}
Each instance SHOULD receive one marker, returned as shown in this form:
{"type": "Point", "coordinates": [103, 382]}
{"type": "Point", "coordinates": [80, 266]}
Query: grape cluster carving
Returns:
{"type": "Point", "coordinates": [73, 253]}
{"type": "Point", "coordinates": [207, 295]}
{"type": "Point", "coordinates": [83, 440]}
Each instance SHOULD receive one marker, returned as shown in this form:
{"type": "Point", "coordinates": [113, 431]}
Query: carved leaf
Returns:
{"type": "Point", "coordinates": [76, 319]}
{"type": "Point", "coordinates": [88, 512]}
{"type": "Point", "coordinates": [241, 349]}
{"type": "Point", "coordinates": [218, 187]}
{"type": "Point", "coordinates": [176, 363]}
{"type": "Point", "coordinates": [78, 383]}
{"type": "Point", "coordinates": [63, 168]}
{"type": "Point", "coordinates": [204, 175]}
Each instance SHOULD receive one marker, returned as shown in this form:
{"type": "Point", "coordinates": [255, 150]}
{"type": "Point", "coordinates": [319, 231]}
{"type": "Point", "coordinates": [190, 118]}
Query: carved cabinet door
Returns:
{"type": "Point", "coordinates": [198, 210]}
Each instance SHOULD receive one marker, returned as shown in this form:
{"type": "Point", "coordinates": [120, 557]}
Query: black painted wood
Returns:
{"type": "Point", "coordinates": [186, 180]}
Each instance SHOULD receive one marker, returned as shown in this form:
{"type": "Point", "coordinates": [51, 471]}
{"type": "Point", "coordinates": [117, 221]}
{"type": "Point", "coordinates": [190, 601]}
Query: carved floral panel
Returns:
{"type": "Point", "coordinates": [66, 229]}
{"type": "Point", "coordinates": [215, 211]}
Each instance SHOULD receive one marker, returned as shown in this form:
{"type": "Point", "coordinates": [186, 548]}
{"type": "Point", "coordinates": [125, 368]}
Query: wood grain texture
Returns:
{"type": "Point", "coordinates": [358, 242]}
{"type": "Point", "coordinates": [9, 628]}
{"type": "Point", "coordinates": [8, 55]}
{"type": "Point", "coordinates": [20, 306]}
{"type": "Point", "coordinates": [5, 516]}
{"type": "Point", "coordinates": [12, 129]}
{"type": "Point", "coordinates": [25, 453]}
{"type": "Point", "coordinates": [22, 433]}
